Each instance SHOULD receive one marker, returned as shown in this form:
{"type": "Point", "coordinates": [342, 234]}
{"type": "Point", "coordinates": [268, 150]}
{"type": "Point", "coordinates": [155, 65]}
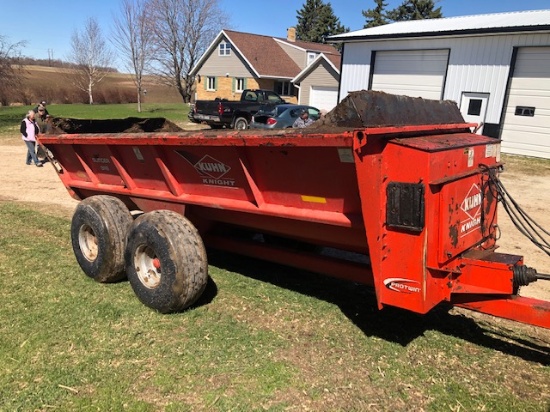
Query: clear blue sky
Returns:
{"type": "Point", "coordinates": [47, 26]}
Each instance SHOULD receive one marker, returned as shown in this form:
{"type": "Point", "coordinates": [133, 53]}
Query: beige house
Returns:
{"type": "Point", "coordinates": [318, 82]}
{"type": "Point", "coordinates": [235, 61]}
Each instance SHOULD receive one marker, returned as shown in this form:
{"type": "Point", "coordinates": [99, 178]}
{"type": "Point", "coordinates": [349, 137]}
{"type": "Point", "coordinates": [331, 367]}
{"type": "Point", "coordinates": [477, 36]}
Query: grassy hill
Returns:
{"type": "Point", "coordinates": [54, 85]}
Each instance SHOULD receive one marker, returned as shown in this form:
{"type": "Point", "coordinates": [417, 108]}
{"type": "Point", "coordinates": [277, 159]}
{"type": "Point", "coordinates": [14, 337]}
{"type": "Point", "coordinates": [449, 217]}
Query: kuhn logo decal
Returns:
{"type": "Point", "coordinates": [208, 166]}
{"type": "Point", "coordinates": [402, 285]}
{"type": "Point", "coordinates": [471, 206]}
{"type": "Point", "coordinates": [211, 170]}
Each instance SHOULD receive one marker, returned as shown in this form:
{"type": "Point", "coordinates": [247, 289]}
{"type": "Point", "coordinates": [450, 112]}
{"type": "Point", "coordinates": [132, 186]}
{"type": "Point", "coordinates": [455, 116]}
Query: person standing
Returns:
{"type": "Point", "coordinates": [42, 118]}
{"type": "Point", "coordinates": [41, 106]}
{"type": "Point", "coordinates": [29, 131]}
{"type": "Point", "coordinates": [303, 120]}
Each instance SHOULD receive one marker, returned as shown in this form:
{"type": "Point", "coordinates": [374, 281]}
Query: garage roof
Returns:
{"type": "Point", "coordinates": [534, 20]}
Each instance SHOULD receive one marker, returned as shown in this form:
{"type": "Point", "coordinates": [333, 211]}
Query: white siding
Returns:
{"type": "Point", "coordinates": [476, 64]}
{"type": "Point", "coordinates": [415, 73]}
{"type": "Point", "coordinates": [355, 70]}
{"type": "Point", "coordinates": [530, 87]}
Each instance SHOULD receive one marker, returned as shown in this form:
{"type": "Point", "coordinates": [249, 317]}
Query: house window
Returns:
{"type": "Point", "coordinates": [310, 57]}
{"type": "Point", "coordinates": [224, 49]}
{"type": "Point", "coordinates": [210, 83]}
{"type": "Point", "coordinates": [525, 111]}
{"type": "Point", "coordinates": [239, 84]}
{"type": "Point", "coordinates": [284, 88]}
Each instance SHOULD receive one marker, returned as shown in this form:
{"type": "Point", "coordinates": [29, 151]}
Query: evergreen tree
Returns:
{"type": "Point", "coordinates": [377, 16]}
{"type": "Point", "coordinates": [415, 10]}
{"type": "Point", "coordinates": [316, 21]}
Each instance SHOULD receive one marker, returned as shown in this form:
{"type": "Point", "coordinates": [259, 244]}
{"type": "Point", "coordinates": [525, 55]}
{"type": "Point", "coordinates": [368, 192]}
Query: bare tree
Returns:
{"type": "Point", "coordinates": [11, 73]}
{"type": "Point", "coordinates": [133, 39]}
{"type": "Point", "coordinates": [183, 30]}
{"type": "Point", "coordinates": [91, 57]}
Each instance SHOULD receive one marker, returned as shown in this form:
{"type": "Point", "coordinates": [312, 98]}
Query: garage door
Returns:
{"type": "Point", "coordinates": [527, 120]}
{"type": "Point", "coordinates": [415, 73]}
{"type": "Point", "coordinates": [323, 98]}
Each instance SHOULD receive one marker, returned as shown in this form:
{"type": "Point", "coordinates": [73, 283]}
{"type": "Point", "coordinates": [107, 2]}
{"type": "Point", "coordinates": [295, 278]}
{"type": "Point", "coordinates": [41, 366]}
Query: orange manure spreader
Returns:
{"type": "Point", "coordinates": [400, 190]}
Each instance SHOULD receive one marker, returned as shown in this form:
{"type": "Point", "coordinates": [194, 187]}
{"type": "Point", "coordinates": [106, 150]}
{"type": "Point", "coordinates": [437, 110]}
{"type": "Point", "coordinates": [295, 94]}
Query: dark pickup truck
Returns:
{"type": "Point", "coordinates": [233, 114]}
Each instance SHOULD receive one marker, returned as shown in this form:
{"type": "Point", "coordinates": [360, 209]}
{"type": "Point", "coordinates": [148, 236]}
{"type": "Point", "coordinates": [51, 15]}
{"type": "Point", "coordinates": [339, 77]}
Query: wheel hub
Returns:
{"type": "Point", "coordinates": [87, 242]}
{"type": "Point", "coordinates": [148, 267]}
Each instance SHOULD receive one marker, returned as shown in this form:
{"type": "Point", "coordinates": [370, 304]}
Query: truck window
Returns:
{"type": "Point", "coordinates": [251, 97]}
{"type": "Point", "coordinates": [272, 97]}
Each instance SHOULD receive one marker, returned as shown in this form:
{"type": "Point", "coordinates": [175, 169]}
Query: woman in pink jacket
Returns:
{"type": "Point", "coordinates": [29, 131]}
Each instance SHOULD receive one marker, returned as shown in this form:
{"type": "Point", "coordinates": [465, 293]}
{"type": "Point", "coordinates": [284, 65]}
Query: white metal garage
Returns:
{"type": "Point", "coordinates": [497, 70]}
{"type": "Point", "coordinates": [526, 128]}
{"type": "Point", "coordinates": [323, 97]}
{"type": "Point", "coordinates": [415, 73]}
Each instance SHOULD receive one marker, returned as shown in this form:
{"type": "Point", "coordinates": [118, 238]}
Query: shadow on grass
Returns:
{"type": "Point", "coordinates": [210, 292]}
{"type": "Point", "coordinates": [358, 303]}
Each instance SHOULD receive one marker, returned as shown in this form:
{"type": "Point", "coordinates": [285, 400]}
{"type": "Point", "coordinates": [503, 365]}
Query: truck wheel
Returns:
{"type": "Point", "coordinates": [98, 236]}
{"type": "Point", "coordinates": [241, 123]}
{"type": "Point", "coordinates": [166, 261]}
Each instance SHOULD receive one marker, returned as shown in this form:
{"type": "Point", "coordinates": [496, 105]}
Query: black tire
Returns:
{"type": "Point", "coordinates": [99, 228]}
{"type": "Point", "coordinates": [240, 123]}
{"type": "Point", "coordinates": [166, 261]}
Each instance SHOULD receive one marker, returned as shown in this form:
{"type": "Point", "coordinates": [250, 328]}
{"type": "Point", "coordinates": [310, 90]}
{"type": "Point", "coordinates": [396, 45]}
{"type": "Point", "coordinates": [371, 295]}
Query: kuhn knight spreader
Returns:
{"type": "Point", "coordinates": [399, 190]}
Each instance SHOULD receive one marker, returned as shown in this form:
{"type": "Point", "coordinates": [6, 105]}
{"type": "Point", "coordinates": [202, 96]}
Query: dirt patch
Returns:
{"type": "Point", "coordinates": [532, 194]}
{"type": "Point", "coordinates": [61, 125]}
{"type": "Point", "coordinates": [38, 186]}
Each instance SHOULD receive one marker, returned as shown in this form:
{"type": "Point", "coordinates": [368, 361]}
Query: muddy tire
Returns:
{"type": "Point", "coordinates": [166, 261]}
{"type": "Point", "coordinates": [99, 228]}
{"type": "Point", "coordinates": [241, 123]}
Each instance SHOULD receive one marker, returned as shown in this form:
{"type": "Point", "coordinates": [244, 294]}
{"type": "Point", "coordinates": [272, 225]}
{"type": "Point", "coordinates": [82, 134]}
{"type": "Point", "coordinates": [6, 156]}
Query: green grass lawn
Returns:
{"type": "Point", "coordinates": [263, 337]}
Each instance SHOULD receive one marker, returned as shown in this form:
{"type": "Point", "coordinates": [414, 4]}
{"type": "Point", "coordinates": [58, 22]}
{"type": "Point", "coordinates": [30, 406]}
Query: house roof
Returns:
{"type": "Point", "coordinates": [522, 21]}
{"type": "Point", "coordinates": [332, 60]}
{"type": "Point", "coordinates": [264, 54]}
{"type": "Point", "coordinates": [335, 59]}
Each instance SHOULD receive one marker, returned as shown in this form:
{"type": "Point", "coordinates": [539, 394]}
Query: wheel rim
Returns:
{"type": "Point", "coordinates": [241, 125]}
{"type": "Point", "coordinates": [147, 266]}
{"type": "Point", "coordinates": [87, 242]}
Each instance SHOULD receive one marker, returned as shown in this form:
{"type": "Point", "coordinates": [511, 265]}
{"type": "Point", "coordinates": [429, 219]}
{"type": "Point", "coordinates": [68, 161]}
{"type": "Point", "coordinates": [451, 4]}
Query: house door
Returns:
{"type": "Point", "coordinates": [474, 108]}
